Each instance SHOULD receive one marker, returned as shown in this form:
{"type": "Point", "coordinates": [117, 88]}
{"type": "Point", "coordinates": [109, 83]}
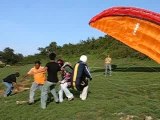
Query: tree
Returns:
{"type": "Point", "coordinates": [51, 48]}
{"type": "Point", "coordinates": [9, 57]}
{"type": "Point", "coordinates": [42, 50]}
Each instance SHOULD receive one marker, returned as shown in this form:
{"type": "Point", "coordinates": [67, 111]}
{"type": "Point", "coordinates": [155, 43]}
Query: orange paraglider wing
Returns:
{"type": "Point", "coordinates": [135, 27]}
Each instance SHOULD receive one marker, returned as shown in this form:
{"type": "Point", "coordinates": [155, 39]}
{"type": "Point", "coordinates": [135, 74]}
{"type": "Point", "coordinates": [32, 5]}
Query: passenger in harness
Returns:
{"type": "Point", "coordinates": [65, 83]}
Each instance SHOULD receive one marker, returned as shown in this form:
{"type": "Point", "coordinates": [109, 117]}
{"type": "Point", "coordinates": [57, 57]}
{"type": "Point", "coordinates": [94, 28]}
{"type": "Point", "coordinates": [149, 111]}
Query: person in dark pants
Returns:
{"type": "Point", "coordinates": [10, 82]}
{"type": "Point", "coordinates": [80, 77]}
{"type": "Point", "coordinates": [52, 69]}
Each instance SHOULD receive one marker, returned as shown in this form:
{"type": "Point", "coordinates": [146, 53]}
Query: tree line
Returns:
{"type": "Point", "coordinates": [100, 46]}
{"type": "Point", "coordinates": [8, 56]}
{"type": "Point", "coordinates": [95, 46]}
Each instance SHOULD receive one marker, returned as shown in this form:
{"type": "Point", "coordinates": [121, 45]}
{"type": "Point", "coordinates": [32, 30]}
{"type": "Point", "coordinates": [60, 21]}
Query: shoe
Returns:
{"type": "Point", "coordinates": [80, 96]}
{"type": "Point", "coordinates": [60, 101]}
{"type": "Point", "coordinates": [83, 99]}
{"type": "Point", "coordinates": [5, 96]}
{"type": "Point", "coordinates": [43, 108]}
{"type": "Point", "coordinates": [57, 102]}
{"type": "Point", "coordinates": [30, 103]}
{"type": "Point", "coordinates": [70, 99]}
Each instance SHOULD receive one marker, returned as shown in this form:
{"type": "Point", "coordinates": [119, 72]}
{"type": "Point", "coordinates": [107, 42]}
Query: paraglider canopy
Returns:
{"type": "Point", "coordinates": [135, 27]}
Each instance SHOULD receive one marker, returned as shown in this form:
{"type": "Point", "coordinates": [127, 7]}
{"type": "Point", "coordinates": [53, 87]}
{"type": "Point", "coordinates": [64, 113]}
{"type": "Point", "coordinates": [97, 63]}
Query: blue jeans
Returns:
{"type": "Point", "coordinates": [9, 88]}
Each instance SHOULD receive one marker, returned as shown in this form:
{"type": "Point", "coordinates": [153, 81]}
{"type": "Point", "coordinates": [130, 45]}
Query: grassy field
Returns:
{"type": "Point", "coordinates": [131, 93]}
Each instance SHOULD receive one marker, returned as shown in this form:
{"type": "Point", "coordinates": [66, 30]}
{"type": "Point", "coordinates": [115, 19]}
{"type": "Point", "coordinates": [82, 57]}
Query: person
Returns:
{"type": "Point", "coordinates": [52, 69]}
{"type": "Point", "coordinates": [10, 83]}
{"type": "Point", "coordinates": [39, 79]}
{"type": "Point", "coordinates": [80, 77]}
{"type": "Point", "coordinates": [65, 83]}
{"type": "Point", "coordinates": [61, 63]}
{"type": "Point", "coordinates": [108, 67]}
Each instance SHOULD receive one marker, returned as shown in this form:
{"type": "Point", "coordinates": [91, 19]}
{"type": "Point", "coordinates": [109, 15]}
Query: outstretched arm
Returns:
{"type": "Point", "coordinates": [25, 76]}
{"type": "Point", "coordinates": [16, 86]}
{"type": "Point", "coordinates": [87, 72]}
{"type": "Point", "coordinates": [29, 73]}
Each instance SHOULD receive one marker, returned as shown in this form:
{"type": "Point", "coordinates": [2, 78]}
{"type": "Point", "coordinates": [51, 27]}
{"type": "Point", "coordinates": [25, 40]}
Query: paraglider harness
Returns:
{"type": "Point", "coordinates": [81, 80]}
{"type": "Point", "coordinates": [66, 74]}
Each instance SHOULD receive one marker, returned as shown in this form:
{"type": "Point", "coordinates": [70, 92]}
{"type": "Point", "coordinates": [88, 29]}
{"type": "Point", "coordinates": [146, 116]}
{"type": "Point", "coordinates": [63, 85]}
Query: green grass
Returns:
{"type": "Point", "coordinates": [133, 89]}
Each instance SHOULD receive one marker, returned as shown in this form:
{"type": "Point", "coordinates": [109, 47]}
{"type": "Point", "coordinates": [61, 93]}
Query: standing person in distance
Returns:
{"type": "Point", "coordinates": [108, 66]}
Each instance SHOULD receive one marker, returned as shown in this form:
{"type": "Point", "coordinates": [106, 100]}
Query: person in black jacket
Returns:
{"type": "Point", "coordinates": [9, 82]}
{"type": "Point", "coordinates": [80, 77]}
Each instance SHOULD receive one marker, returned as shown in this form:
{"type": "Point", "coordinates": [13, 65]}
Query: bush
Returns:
{"type": "Point", "coordinates": [2, 65]}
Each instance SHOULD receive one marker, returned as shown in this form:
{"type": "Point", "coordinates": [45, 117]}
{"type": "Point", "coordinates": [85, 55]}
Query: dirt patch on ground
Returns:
{"type": "Point", "coordinates": [124, 116]}
{"type": "Point", "coordinates": [23, 86]}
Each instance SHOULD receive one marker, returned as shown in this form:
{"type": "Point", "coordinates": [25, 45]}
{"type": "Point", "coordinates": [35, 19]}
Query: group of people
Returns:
{"type": "Point", "coordinates": [71, 77]}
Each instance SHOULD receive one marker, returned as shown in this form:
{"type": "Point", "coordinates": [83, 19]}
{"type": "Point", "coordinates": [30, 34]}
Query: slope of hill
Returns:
{"type": "Point", "coordinates": [132, 92]}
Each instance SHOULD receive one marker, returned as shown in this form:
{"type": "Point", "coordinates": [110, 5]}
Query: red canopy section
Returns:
{"type": "Point", "coordinates": [129, 11]}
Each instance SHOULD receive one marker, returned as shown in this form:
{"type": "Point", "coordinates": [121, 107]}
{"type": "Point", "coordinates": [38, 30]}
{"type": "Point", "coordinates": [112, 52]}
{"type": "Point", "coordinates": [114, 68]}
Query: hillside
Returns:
{"type": "Point", "coordinates": [131, 91]}
{"type": "Point", "coordinates": [99, 47]}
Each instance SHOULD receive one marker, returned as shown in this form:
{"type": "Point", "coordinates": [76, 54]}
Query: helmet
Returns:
{"type": "Point", "coordinates": [67, 63]}
{"type": "Point", "coordinates": [60, 62]}
{"type": "Point", "coordinates": [83, 58]}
